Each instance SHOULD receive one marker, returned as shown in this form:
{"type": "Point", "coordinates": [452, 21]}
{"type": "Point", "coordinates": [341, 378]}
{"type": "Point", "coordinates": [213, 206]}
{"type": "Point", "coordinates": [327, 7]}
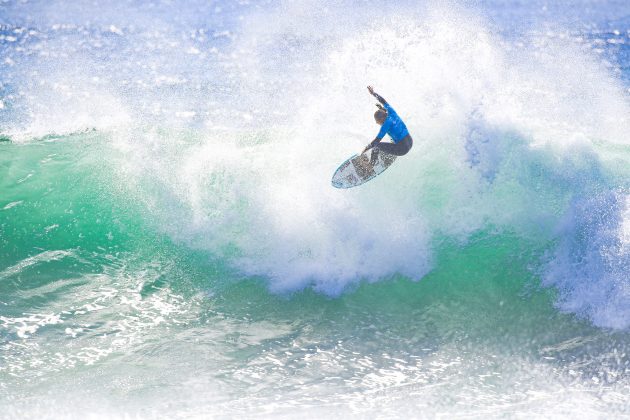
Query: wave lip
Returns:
{"type": "Point", "coordinates": [591, 266]}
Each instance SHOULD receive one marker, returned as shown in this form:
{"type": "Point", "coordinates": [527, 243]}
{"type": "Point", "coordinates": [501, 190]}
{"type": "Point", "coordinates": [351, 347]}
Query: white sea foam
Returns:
{"type": "Point", "coordinates": [502, 137]}
{"type": "Point", "coordinates": [507, 134]}
{"type": "Point", "coordinates": [230, 150]}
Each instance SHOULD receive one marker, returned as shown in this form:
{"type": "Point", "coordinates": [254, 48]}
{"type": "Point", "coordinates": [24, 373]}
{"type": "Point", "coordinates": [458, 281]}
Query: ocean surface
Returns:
{"type": "Point", "coordinates": [171, 246]}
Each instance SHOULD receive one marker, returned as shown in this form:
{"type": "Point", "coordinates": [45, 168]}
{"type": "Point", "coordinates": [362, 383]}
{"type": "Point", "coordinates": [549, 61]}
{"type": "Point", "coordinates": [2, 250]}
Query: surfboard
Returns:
{"type": "Point", "coordinates": [358, 170]}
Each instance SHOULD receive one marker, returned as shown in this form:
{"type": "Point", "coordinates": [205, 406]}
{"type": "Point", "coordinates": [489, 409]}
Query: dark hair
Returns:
{"type": "Point", "coordinates": [380, 116]}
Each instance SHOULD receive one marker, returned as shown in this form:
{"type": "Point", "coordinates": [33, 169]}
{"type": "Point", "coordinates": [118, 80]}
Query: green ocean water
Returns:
{"type": "Point", "coordinates": [102, 311]}
{"type": "Point", "coordinates": [171, 246]}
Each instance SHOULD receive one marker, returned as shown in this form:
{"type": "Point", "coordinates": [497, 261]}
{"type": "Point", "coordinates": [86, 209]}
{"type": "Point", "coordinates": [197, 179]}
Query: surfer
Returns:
{"type": "Point", "coordinates": [391, 124]}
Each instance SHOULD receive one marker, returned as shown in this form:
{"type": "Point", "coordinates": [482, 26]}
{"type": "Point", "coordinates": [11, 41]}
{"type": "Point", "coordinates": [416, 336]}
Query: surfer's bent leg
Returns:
{"type": "Point", "coordinates": [399, 149]}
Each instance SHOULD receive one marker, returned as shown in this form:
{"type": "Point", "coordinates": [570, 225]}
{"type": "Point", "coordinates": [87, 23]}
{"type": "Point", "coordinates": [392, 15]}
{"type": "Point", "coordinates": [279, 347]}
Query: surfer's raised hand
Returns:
{"type": "Point", "coordinates": [376, 95]}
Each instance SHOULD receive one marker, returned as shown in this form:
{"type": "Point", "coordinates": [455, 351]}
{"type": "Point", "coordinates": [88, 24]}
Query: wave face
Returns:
{"type": "Point", "coordinates": [170, 244]}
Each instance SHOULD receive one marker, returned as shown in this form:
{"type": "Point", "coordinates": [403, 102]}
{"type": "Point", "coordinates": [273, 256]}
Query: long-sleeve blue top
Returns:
{"type": "Point", "coordinates": [393, 126]}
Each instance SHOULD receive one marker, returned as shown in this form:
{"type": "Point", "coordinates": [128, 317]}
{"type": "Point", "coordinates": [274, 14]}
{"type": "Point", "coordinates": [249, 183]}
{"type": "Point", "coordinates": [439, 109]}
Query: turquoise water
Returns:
{"type": "Point", "coordinates": [170, 245]}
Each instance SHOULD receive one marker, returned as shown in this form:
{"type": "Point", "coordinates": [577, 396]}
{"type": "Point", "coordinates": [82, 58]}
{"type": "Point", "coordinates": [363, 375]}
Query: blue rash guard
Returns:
{"type": "Point", "coordinates": [393, 126]}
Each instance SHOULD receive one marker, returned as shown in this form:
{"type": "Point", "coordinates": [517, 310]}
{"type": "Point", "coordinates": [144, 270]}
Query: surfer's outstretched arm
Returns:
{"type": "Point", "coordinates": [372, 144]}
{"type": "Point", "coordinates": [376, 95]}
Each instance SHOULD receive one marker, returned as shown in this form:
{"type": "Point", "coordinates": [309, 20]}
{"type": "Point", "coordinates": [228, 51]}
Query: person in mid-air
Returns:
{"type": "Point", "coordinates": [390, 124]}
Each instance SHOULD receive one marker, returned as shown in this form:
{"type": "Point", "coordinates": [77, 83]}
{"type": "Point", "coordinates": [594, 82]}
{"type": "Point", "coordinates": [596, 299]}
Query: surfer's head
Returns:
{"type": "Point", "coordinates": [380, 116]}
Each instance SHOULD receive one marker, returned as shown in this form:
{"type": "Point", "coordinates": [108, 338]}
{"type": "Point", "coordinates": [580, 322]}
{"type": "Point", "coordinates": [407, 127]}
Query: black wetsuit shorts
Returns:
{"type": "Point", "coordinates": [398, 149]}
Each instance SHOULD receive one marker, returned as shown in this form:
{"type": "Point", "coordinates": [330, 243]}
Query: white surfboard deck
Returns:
{"type": "Point", "coordinates": [358, 170]}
